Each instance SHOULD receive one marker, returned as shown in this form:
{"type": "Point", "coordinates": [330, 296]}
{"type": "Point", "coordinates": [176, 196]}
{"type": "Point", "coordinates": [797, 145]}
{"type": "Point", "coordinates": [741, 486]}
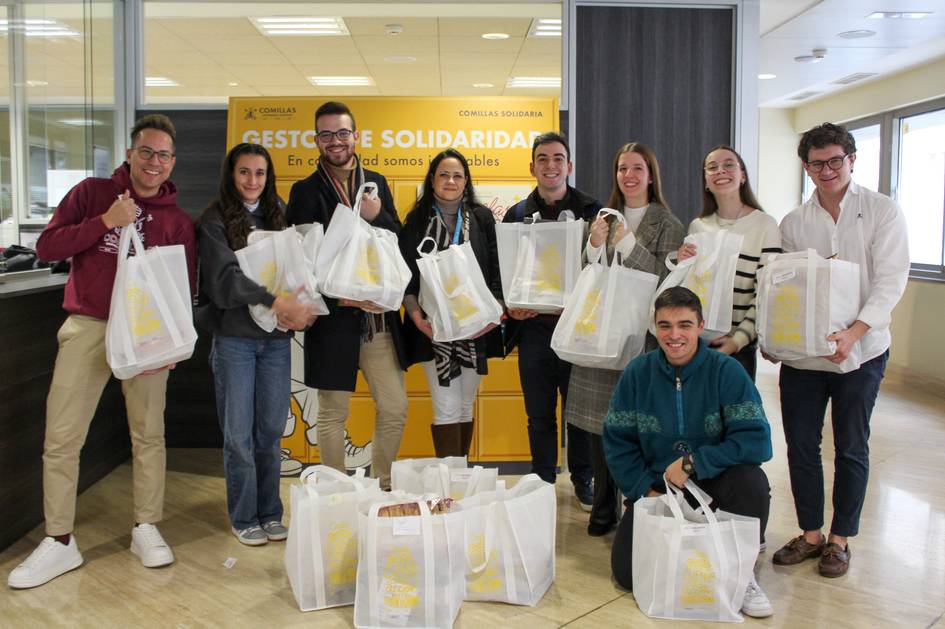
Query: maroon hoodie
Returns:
{"type": "Point", "coordinates": [77, 231]}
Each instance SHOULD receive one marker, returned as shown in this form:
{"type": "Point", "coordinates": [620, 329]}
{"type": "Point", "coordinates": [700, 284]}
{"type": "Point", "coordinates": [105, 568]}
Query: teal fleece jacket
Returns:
{"type": "Point", "coordinates": [709, 406]}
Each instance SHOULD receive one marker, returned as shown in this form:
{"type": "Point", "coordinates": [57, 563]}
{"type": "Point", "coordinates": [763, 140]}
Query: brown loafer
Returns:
{"type": "Point", "coordinates": [797, 550]}
{"type": "Point", "coordinates": [835, 561]}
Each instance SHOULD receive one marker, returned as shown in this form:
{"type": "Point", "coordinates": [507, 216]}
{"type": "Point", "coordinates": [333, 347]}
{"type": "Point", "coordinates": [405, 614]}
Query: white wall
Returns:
{"type": "Point", "coordinates": [779, 170]}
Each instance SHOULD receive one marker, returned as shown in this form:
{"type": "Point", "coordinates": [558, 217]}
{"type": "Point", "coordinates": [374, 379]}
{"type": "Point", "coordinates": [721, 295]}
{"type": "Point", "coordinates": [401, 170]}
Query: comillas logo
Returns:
{"type": "Point", "coordinates": [274, 112]}
{"type": "Point", "coordinates": [250, 114]}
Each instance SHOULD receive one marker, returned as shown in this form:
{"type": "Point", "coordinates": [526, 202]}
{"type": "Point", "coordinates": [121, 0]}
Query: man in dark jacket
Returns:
{"type": "Point", "coordinates": [543, 374]}
{"type": "Point", "coordinates": [354, 335]}
{"type": "Point", "coordinates": [87, 226]}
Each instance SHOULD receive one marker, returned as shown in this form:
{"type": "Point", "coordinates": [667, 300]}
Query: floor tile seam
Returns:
{"type": "Point", "coordinates": [591, 611]}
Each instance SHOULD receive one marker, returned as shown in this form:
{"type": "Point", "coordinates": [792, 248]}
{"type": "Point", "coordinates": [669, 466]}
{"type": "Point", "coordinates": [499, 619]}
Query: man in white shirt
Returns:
{"type": "Point", "coordinates": [849, 222]}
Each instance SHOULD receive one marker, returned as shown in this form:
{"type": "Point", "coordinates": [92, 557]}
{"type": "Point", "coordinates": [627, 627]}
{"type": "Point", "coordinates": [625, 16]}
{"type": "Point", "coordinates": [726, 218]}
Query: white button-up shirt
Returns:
{"type": "Point", "coordinates": [871, 231]}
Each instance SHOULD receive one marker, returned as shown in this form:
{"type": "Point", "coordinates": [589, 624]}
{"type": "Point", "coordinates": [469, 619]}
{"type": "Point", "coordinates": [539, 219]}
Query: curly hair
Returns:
{"type": "Point", "coordinates": [825, 135]}
{"type": "Point", "coordinates": [229, 204]}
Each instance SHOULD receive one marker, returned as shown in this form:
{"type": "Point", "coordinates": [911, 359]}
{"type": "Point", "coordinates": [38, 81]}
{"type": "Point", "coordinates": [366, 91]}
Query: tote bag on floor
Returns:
{"type": "Point", "coordinates": [150, 321]}
{"type": "Point", "coordinates": [688, 565]}
{"type": "Point", "coordinates": [448, 477]}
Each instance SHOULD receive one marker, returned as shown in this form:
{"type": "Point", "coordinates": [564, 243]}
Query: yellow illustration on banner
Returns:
{"type": "Point", "coordinates": [142, 318]}
{"type": "Point", "coordinates": [785, 317]}
{"type": "Point", "coordinates": [586, 324]}
{"type": "Point", "coordinates": [342, 555]}
{"type": "Point", "coordinates": [548, 270]}
{"type": "Point", "coordinates": [398, 588]}
{"type": "Point", "coordinates": [462, 307]}
{"type": "Point", "coordinates": [490, 580]}
{"type": "Point", "coordinates": [368, 267]}
{"type": "Point", "coordinates": [699, 580]}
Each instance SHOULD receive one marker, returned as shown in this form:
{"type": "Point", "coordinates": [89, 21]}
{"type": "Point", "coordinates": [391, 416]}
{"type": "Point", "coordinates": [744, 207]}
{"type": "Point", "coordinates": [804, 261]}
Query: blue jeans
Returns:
{"type": "Point", "coordinates": [804, 397]}
{"type": "Point", "coordinates": [251, 378]}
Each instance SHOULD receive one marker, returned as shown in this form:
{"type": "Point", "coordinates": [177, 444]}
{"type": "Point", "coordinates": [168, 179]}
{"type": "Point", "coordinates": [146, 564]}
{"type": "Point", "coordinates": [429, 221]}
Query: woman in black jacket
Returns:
{"type": "Point", "coordinates": [251, 367]}
{"type": "Point", "coordinates": [448, 212]}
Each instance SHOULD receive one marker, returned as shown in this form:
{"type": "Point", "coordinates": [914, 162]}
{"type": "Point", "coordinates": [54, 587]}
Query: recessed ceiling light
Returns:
{"type": "Point", "coordinates": [346, 81]}
{"type": "Point", "coordinates": [160, 81]}
{"type": "Point", "coordinates": [898, 15]}
{"type": "Point", "coordinates": [857, 34]}
{"type": "Point", "coordinates": [483, 85]}
{"type": "Point", "coordinates": [767, 77]}
{"type": "Point", "coordinates": [400, 59]}
{"type": "Point", "coordinates": [32, 27]}
{"type": "Point", "coordinates": [817, 55]}
{"type": "Point", "coordinates": [534, 81]}
{"type": "Point", "coordinates": [232, 83]}
{"type": "Point", "coordinates": [300, 26]}
{"type": "Point", "coordinates": [495, 36]}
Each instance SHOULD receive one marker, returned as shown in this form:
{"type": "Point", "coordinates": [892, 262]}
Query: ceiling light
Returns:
{"type": "Point", "coordinates": [495, 36]}
{"type": "Point", "coordinates": [857, 34]}
{"type": "Point", "coordinates": [232, 83]}
{"type": "Point", "coordinates": [160, 81]}
{"type": "Point", "coordinates": [767, 77]}
{"type": "Point", "coordinates": [81, 122]}
{"type": "Point", "coordinates": [534, 81]}
{"type": "Point", "coordinates": [393, 29]}
{"type": "Point", "coordinates": [300, 26]}
{"type": "Point", "coordinates": [545, 27]}
{"type": "Point", "coordinates": [898, 15]}
{"type": "Point", "coordinates": [36, 83]}
{"type": "Point", "coordinates": [400, 59]}
{"type": "Point", "coordinates": [483, 85]}
{"type": "Point", "coordinates": [38, 28]}
{"type": "Point", "coordinates": [817, 55]}
{"type": "Point", "coordinates": [346, 81]}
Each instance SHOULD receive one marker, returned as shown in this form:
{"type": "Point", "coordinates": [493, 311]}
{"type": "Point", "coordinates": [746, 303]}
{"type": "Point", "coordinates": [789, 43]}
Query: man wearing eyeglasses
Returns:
{"type": "Point", "coordinates": [86, 227]}
{"type": "Point", "coordinates": [847, 221]}
{"type": "Point", "coordinates": [355, 335]}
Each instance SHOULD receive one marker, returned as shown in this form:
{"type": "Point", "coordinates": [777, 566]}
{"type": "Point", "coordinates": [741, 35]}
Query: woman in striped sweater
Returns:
{"type": "Point", "coordinates": [728, 203]}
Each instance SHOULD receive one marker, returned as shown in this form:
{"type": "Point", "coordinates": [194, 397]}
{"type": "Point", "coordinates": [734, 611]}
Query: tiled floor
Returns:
{"type": "Point", "coordinates": [897, 575]}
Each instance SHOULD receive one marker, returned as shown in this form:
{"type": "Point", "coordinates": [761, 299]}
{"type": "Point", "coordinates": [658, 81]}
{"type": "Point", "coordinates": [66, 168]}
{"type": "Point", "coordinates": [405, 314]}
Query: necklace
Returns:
{"type": "Point", "coordinates": [741, 212]}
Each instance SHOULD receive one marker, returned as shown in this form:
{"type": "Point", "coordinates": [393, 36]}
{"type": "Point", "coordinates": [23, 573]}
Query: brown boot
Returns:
{"type": "Point", "coordinates": [466, 434]}
{"type": "Point", "coordinates": [447, 440]}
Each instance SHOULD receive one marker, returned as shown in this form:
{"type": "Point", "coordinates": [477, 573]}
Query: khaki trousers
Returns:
{"type": "Point", "coordinates": [378, 363]}
{"type": "Point", "coordinates": [79, 378]}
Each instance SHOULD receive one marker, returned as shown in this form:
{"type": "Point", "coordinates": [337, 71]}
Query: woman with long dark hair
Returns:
{"type": "Point", "coordinates": [651, 233]}
{"type": "Point", "coordinates": [251, 367]}
{"type": "Point", "coordinates": [728, 203]}
{"type": "Point", "coordinates": [449, 213]}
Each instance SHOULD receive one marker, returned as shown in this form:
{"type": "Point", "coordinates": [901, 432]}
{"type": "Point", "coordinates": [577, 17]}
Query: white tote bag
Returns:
{"type": "Point", "coordinates": [321, 553]}
{"type": "Point", "coordinates": [448, 477]}
{"type": "Point", "coordinates": [510, 542]}
{"type": "Point", "coordinates": [150, 320]}
{"type": "Point", "coordinates": [802, 299]}
{"type": "Point", "coordinates": [605, 319]}
{"type": "Point", "coordinates": [359, 262]}
{"type": "Point", "coordinates": [454, 294]}
{"type": "Point", "coordinates": [277, 261]}
{"type": "Point", "coordinates": [688, 565]}
{"type": "Point", "coordinates": [410, 569]}
{"type": "Point", "coordinates": [539, 263]}
{"type": "Point", "coordinates": [710, 274]}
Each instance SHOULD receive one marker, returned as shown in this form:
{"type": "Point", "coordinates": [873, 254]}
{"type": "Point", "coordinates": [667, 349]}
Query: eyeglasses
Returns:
{"type": "Point", "coordinates": [713, 167]}
{"type": "Point", "coordinates": [342, 134]}
{"type": "Point", "coordinates": [146, 153]}
{"type": "Point", "coordinates": [834, 162]}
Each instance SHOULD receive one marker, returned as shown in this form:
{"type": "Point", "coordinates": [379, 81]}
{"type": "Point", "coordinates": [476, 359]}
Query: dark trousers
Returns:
{"type": "Point", "coordinates": [605, 509]}
{"type": "Point", "coordinates": [747, 357]}
{"type": "Point", "coordinates": [804, 396]}
{"type": "Point", "coordinates": [742, 490]}
{"type": "Point", "coordinates": [544, 376]}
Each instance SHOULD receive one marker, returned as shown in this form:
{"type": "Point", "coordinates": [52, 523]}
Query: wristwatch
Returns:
{"type": "Point", "coordinates": [689, 466]}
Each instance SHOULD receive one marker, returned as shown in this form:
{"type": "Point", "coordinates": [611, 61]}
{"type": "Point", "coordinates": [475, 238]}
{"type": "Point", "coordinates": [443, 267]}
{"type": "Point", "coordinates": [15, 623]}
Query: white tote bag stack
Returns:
{"type": "Point", "coordinates": [689, 566]}
{"type": "Point", "coordinates": [539, 263]}
{"type": "Point", "coordinates": [605, 319]}
{"type": "Point", "coordinates": [359, 262]}
{"type": "Point", "coordinates": [802, 299]}
{"type": "Point", "coordinates": [277, 261]}
{"type": "Point", "coordinates": [510, 542]}
{"type": "Point", "coordinates": [710, 274]}
{"type": "Point", "coordinates": [453, 292]}
{"type": "Point", "coordinates": [150, 320]}
{"type": "Point", "coordinates": [448, 477]}
{"type": "Point", "coordinates": [410, 568]}
{"type": "Point", "coordinates": [321, 553]}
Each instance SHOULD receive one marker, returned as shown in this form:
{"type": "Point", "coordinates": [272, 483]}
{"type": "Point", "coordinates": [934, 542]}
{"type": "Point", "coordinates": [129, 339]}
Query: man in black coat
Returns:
{"type": "Point", "coordinates": [354, 335]}
{"type": "Point", "coordinates": [543, 374]}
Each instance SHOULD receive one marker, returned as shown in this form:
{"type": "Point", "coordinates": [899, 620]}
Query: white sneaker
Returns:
{"type": "Point", "coordinates": [48, 561]}
{"type": "Point", "coordinates": [150, 547]}
{"type": "Point", "coordinates": [756, 603]}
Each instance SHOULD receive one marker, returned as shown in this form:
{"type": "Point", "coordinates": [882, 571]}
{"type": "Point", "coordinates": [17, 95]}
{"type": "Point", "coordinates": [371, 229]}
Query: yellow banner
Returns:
{"type": "Point", "coordinates": [399, 135]}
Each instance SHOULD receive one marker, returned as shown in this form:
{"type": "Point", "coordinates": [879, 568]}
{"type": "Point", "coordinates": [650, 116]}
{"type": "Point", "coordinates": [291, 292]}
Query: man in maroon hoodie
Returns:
{"type": "Point", "coordinates": [86, 227]}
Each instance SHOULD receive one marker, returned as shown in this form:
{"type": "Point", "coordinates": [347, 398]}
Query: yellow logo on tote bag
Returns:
{"type": "Point", "coordinates": [462, 307]}
{"type": "Point", "coordinates": [786, 317]}
{"type": "Point", "coordinates": [699, 581]}
{"type": "Point", "coordinates": [586, 323]}
{"type": "Point", "coordinates": [400, 574]}
{"type": "Point", "coordinates": [548, 270]}
{"type": "Point", "coordinates": [142, 317]}
{"type": "Point", "coordinates": [342, 553]}
{"type": "Point", "coordinates": [368, 268]}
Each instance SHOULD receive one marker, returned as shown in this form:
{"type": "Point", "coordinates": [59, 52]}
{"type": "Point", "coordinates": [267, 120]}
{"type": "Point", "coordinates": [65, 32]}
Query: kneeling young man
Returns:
{"type": "Point", "coordinates": [687, 411]}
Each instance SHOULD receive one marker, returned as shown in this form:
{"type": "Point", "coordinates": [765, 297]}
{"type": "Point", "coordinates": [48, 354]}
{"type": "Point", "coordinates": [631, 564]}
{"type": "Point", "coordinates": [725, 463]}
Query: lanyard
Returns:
{"type": "Point", "coordinates": [459, 222]}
